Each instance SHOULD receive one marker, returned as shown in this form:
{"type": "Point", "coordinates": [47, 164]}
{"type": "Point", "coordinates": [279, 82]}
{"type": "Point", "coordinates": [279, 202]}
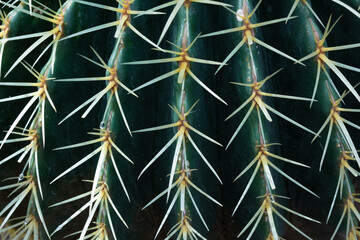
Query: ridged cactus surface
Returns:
{"type": "Point", "coordinates": [179, 119]}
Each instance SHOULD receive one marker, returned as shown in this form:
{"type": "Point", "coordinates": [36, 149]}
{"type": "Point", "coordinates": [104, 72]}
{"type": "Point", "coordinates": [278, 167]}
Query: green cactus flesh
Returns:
{"type": "Point", "coordinates": [179, 119]}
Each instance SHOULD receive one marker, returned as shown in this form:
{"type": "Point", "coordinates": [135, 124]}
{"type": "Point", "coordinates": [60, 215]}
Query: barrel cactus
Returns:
{"type": "Point", "coordinates": [179, 119]}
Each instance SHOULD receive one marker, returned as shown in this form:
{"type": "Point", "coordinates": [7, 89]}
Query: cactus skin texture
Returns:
{"type": "Point", "coordinates": [179, 119]}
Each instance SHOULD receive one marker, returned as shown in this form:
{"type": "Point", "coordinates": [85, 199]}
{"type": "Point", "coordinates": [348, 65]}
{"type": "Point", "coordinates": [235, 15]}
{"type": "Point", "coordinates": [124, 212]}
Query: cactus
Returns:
{"type": "Point", "coordinates": [179, 119]}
